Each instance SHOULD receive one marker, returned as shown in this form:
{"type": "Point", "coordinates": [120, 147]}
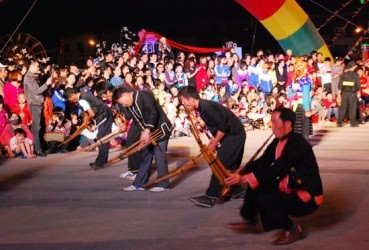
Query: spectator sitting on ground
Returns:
{"type": "Point", "coordinates": [20, 145]}
{"type": "Point", "coordinates": [181, 124]}
{"type": "Point", "coordinates": [8, 133]}
{"type": "Point", "coordinates": [57, 131]}
{"type": "Point", "coordinates": [330, 106]}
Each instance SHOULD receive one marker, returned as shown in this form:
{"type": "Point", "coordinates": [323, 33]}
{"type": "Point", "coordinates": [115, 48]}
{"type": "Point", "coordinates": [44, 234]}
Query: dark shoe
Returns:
{"type": "Point", "coordinates": [40, 154]}
{"type": "Point", "coordinates": [354, 126]}
{"type": "Point", "coordinates": [203, 201]}
{"type": "Point", "coordinates": [96, 166]}
{"type": "Point", "coordinates": [339, 125]}
{"type": "Point", "coordinates": [64, 151]}
{"type": "Point", "coordinates": [288, 237]}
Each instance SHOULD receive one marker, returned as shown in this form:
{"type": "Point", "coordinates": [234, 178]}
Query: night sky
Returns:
{"type": "Point", "coordinates": [51, 20]}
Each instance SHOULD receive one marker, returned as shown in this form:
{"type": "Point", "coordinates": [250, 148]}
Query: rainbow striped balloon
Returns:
{"type": "Point", "coordinates": [289, 25]}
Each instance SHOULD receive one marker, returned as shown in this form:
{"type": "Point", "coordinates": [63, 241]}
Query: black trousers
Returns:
{"type": "Point", "coordinates": [230, 153]}
{"type": "Point", "coordinates": [274, 208]}
{"type": "Point", "coordinates": [104, 128]}
{"type": "Point", "coordinates": [348, 105]}
{"type": "Point", "coordinates": [133, 136]}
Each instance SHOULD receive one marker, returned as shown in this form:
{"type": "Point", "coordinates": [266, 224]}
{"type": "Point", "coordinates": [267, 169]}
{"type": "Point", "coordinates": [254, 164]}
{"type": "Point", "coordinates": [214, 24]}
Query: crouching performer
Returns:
{"type": "Point", "coordinates": [284, 181]}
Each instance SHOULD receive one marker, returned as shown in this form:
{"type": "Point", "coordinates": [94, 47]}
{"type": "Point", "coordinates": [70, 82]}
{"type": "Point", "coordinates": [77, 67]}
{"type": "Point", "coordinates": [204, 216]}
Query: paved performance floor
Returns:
{"type": "Point", "coordinates": [58, 202]}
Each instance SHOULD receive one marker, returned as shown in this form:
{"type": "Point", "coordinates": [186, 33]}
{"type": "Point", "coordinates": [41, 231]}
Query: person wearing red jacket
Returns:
{"type": "Point", "coordinates": [202, 77]}
{"type": "Point", "coordinates": [22, 109]}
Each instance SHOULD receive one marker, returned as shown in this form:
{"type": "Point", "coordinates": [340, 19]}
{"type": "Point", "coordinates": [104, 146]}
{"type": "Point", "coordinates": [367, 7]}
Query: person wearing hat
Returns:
{"type": "Point", "coordinates": [348, 93]}
{"type": "Point", "coordinates": [3, 76]}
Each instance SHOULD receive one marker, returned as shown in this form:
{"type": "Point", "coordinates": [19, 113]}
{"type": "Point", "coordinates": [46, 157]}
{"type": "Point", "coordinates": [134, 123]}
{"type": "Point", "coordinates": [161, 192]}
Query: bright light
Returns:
{"type": "Point", "coordinates": [91, 42]}
{"type": "Point", "coordinates": [358, 30]}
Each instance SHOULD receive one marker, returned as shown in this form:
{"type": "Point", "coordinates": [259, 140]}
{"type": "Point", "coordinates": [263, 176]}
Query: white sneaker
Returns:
{"type": "Point", "coordinates": [128, 175]}
{"type": "Point", "coordinates": [133, 188]}
{"type": "Point", "coordinates": [158, 189]}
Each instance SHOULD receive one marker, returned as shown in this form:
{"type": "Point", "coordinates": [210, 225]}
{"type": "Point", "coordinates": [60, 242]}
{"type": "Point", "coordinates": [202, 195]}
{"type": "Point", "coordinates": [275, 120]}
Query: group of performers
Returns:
{"type": "Point", "coordinates": [283, 181]}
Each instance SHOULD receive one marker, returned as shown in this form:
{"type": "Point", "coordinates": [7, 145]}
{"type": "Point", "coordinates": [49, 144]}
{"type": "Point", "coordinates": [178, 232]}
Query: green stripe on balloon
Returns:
{"type": "Point", "coordinates": [304, 40]}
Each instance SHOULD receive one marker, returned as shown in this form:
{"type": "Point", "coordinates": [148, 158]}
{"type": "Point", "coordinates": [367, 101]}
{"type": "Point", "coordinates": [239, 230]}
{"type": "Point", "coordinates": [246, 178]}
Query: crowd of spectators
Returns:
{"type": "Point", "coordinates": [251, 86]}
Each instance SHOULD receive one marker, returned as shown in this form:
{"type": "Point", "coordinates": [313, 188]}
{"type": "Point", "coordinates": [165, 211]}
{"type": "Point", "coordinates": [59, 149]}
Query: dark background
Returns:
{"type": "Point", "coordinates": [209, 23]}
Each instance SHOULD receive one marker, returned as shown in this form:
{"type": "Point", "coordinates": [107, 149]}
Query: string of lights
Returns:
{"type": "Point", "coordinates": [335, 14]}
{"type": "Point", "coordinates": [340, 31]}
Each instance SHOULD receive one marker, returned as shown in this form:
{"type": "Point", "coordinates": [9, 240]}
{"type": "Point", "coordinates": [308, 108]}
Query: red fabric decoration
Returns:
{"type": "Point", "coordinates": [143, 34]}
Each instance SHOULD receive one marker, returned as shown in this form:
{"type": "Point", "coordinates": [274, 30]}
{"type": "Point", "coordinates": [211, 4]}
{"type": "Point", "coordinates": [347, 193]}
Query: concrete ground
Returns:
{"type": "Point", "coordinates": [58, 202]}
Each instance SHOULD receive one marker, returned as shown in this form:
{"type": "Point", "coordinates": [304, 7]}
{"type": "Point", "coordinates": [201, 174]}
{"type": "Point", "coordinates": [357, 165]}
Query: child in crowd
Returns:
{"type": "Point", "coordinates": [252, 95]}
{"type": "Point", "coordinates": [181, 78]}
{"type": "Point", "coordinates": [330, 106]}
{"type": "Point", "coordinates": [171, 108]}
{"type": "Point", "coordinates": [257, 120]}
{"type": "Point", "coordinates": [181, 124]}
{"type": "Point", "coordinates": [170, 75]}
{"type": "Point", "coordinates": [22, 109]}
{"type": "Point", "coordinates": [242, 102]}
{"type": "Point", "coordinates": [209, 91]}
{"type": "Point", "coordinates": [317, 106]}
{"type": "Point", "coordinates": [88, 136]}
{"type": "Point", "coordinates": [20, 145]}
{"type": "Point", "coordinates": [241, 74]}
{"type": "Point", "coordinates": [159, 92]}
{"type": "Point", "coordinates": [222, 71]}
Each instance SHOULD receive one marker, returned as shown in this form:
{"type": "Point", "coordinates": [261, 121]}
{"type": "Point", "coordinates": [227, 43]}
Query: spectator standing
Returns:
{"type": "Point", "coordinates": [222, 71]}
{"type": "Point", "coordinates": [241, 74]}
{"type": "Point", "coordinates": [281, 73]}
{"type": "Point", "coordinates": [170, 75]}
{"type": "Point", "coordinates": [117, 80]}
{"type": "Point", "coordinates": [33, 90]}
{"type": "Point", "coordinates": [326, 75]}
{"type": "Point", "coordinates": [202, 77]}
{"type": "Point", "coordinates": [13, 88]}
{"type": "Point", "coordinates": [348, 91]}
{"type": "Point", "coordinates": [336, 71]}
{"type": "Point", "coordinates": [191, 71]}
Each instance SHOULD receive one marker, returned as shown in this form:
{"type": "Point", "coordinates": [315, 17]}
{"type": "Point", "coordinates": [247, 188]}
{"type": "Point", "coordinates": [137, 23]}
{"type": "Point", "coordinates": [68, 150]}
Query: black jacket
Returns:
{"type": "Point", "coordinates": [218, 117]}
{"type": "Point", "coordinates": [149, 113]}
{"type": "Point", "coordinates": [297, 161]}
{"type": "Point", "coordinates": [98, 107]}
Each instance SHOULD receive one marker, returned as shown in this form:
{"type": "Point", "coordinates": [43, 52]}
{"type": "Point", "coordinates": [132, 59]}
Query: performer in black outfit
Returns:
{"type": "Point", "coordinates": [133, 135]}
{"type": "Point", "coordinates": [96, 109]}
{"type": "Point", "coordinates": [149, 116]}
{"type": "Point", "coordinates": [348, 92]}
{"type": "Point", "coordinates": [228, 133]}
{"type": "Point", "coordinates": [284, 181]}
